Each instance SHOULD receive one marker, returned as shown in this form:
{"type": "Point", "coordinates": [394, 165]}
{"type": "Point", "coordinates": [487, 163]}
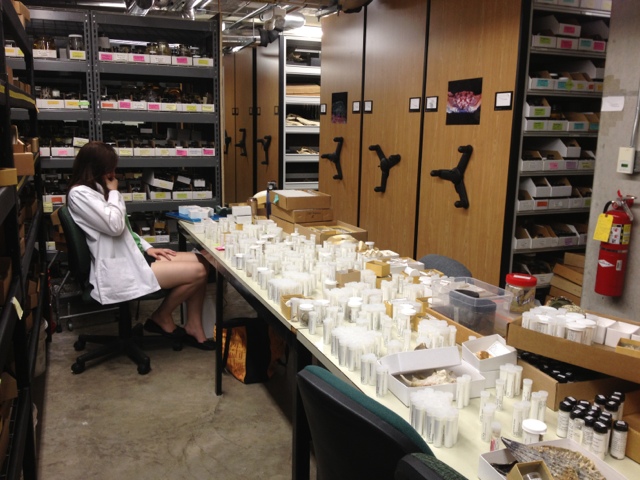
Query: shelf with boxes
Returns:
{"type": "Point", "coordinates": [560, 126]}
{"type": "Point", "coordinates": [301, 112]}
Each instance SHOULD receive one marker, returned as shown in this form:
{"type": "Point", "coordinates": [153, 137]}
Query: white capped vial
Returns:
{"type": "Point", "coordinates": [518, 417]}
{"type": "Point", "coordinates": [488, 413]}
{"type": "Point", "coordinates": [599, 440]}
{"type": "Point", "coordinates": [527, 384]}
{"type": "Point", "coordinates": [619, 439]}
{"type": "Point", "coordinates": [564, 411]}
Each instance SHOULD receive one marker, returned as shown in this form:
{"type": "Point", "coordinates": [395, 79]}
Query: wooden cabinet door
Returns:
{"type": "Point", "coordinates": [229, 152]}
{"type": "Point", "coordinates": [341, 85]}
{"type": "Point", "coordinates": [244, 120]}
{"type": "Point", "coordinates": [268, 91]}
{"type": "Point", "coordinates": [468, 40]}
{"type": "Point", "coordinates": [394, 63]}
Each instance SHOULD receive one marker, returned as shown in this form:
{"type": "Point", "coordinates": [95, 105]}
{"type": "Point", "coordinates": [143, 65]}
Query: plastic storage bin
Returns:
{"type": "Point", "coordinates": [474, 304]}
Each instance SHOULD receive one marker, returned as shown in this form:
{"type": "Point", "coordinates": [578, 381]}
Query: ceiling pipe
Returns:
{"type": "Point", "coordinates": [139, 7]}
{"type": "Point", "coordinates": [249, 16]}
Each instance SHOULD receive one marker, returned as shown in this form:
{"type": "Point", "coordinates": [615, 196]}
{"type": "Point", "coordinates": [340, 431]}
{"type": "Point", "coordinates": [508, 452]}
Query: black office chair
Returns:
{"type": "Point", "coordinates": [128, 340]}
{"type": "Point", "coordinates": [353, 435]}
{"type": "Point", "coordinates": [446, 265]}
{"type": "Point", "coordinates": [419, 466]}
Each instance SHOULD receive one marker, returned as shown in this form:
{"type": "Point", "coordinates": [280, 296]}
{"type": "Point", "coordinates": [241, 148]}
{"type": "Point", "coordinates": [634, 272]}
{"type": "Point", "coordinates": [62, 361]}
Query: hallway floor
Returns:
{"type": "Point", "coordinates": [112, 423]}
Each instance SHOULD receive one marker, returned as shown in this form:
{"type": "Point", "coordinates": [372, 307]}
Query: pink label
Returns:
{"type": "Point", "coordinates": [125, 105]}
{"type": "Point", "coordinates": [138, 58]}
{"type": "Point", "coordinates": [566, 43]}
{"type": "Point", "coordinates": [106, 56]}
{"type": "Point", "coordinates": [153, 106]}
{"type": "Point", "coordinates": [182, 60]}
{"type": "Point", "coordinates": [554, 166]}
{"type": "Point", "coordinates": [599, 46]}
{"type": "Point", "coordinates": [570, 164]}
{"type": "Point", "coordinates": [569, 29]}
{"type": "Point", "coordinates": [181, 152]}
{"type": "Point", "coordinates": [63, 153]}
{"type": "Point", "coordinates": [208, 151]}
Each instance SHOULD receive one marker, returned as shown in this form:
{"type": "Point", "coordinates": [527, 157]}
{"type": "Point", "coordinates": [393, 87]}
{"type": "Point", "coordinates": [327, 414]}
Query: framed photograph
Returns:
{"type": "Point", "coordinates": [339, 107]}
{"type": "Point", "coordinates": [464, 100]}
{"type": "Point", "coordinates": [504, 101]}
{"type": "Point", "coordinates": [368, 106]}
{"type": "Point", "coordinates": [414, 104]}
{"type": "Point", "coordinates": [431, 104]}
{"type": "Point", "coordinates": [355, 107]}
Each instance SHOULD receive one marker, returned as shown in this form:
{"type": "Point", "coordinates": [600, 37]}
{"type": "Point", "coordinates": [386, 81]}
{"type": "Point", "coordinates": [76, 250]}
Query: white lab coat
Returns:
{"type": "Point", "coordinates": [119, 271]}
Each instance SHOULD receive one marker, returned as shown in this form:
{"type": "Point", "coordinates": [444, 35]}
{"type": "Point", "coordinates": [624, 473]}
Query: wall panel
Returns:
{"type": "Point", "coordinates": [395, 43]}
{"type": "Point", "coordinates": [229, 158]}
{"type": "Point", "coordinates": [244, 104]}
{"type": "Point", "coordinates": [468, 39]}
{"type": "Point", "coordinates": [342, 47]}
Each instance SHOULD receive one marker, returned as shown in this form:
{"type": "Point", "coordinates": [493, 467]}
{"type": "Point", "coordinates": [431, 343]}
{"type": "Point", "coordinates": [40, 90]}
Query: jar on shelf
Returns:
{"type": "Point", "coordinates": [75, 42]}
{"type": "Point", "coordinates": [44, 43]}
{"type": "Point", "coordinates": [163, 48]}
{"type": "Point", "coordinates": [523, 288]}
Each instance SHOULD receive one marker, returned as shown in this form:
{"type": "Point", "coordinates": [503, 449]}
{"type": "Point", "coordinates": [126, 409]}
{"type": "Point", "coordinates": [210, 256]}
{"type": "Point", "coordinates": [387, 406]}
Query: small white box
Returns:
{"type": "Point", "coordinates": [536, 125]}
{"type": "Point", "coordinates": [537, 111]}
{"type": "Point", "coordinates": [62, 152]}
{"type": "Point", "coordinates": [168, 107]}
{"type": "Point", "coordinates": [138, 58]}
{"type": "Point", "coordinates": [494, 345]}
{"type": "Point", "coordinates": [45, 151]}
{"type": "Point", "coordinates": [208, 108]}
{"type": "Point", "coordinates": [540, 203]}
{"type": "Point", "coordinates": [13, 52]}
{"type": "Point", "coordinates": [569, 28]}
{"type": "Point", "coordinates": [203, 62]}
{"type": "Point", "coordinates": [571, 164]}
{"type": "Point", "coordinates": [125, 151]}
{"type": "Point", "coordinates": [190, 107]}
{"type": "Point", "coordinates": [79, 141]}
{"type": "Point", "coordinates": [202, 194]}
{"type": "Point", "coordinates": [120, 57]}
{"type": "Point", "coordinates": [242, 219]}
{"type": "Point", "coordinates": [564, 43]}
{"type": "Point", "coordinates": [538, 188]}
{"type": "Point", "coordinates": [138, 105]}
{"type": "Point", "coordinates": [144, 151]}
{"type": "Point", "coordinates": [165, 152]}
{"type": "Point", "coordinates": [525, 201]}
{"type": "Point", "coordinates": [127, 196]}
{"type": "Point", "coordinates": [619, 330]}
{"type": "Point", "coordinates": [239, 210]}
{"type": "Point", "coordinates": [165, 195]}
{"type": "Point", "coordinates": [37, 53]}
{"type": "Point", "coordinates": [194, 152]}
{"type": "Point", "coordinates": [552, 165]}
{"type": "Point", "coordinates": [76, 104]}
{"type": "Point", "coordinates": [425, 361]}
{"type": "Point", "coordinates": [557, 125]}
{"type": "Point", "coordinates": [183, 195]}
{"type": "Point", "coordinates": [49, 103]}
{"type": "Point", "coordinates": [543, 41]}
{"type": "Point", "coordinates": [558, 203]}
{"type": "Point", "coordinates": [77, 55]}
{"type": "Point", "coordinates": [109, 105]}
{"type": "Point", "coordinates": [599, 46]}
{"type": "Point", "coordinates": [139, 196]}
{"type": "Point", "coordinates": [562, 188]}
{"type": "Point", "coordinates": [183, 61]}
{"type": "Point", "coordinates": [150, 179]}
{"type": "Point", "coordinates": [160, 59]}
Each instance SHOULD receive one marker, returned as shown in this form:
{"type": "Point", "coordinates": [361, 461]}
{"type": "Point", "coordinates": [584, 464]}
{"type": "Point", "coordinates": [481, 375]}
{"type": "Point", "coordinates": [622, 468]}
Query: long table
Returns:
{"type": "Point", "coordinates": [304, 346]}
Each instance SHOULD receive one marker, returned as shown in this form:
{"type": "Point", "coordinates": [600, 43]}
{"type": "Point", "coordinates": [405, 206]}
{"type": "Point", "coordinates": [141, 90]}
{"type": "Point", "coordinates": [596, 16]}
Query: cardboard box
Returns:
{"type": "Point", "coordinates": [535, 111]}
{"type": "Point", "coordinates": [574, 259]}
{"type": "Point", "coordinates": [525, 202]}
{"type": "Point", "coordinates": [299, 199]}
{"type": "Point", "coordinates": [599, 358]}
{"type": "Point", "coordinates": [541, 81]}
{"type": "Point", "coordinates": [522, 239]}
{"type": "Point", "coordinates": [150, 179]}
{"type": "Point", "coordinates": [567, 285]}
{"type": "Point", "coordinates": [577, 122]}
{"type": "Point", "coordinates": [531, 161]}
{"type": "Point", "coordinates": [324, 232]}
{"type": "Point", "coordinates": [24, 164]}
{"type": "Point", "coordinates": [380, 268]}
{"type": "Point", "coordinates": [520, 470]}
{"type": "Point", "coordinates": [289, 227]}
{"type": "Point", "coordinates": [487, 472]}
{"type": "Point", "coordinates": [183, 61]}
{"type": "Point", "coordinates": [628, 346]}
{"type": "Point", "coordinates": [425, 362]}
{"type": "Point", "coordinates": [573, 274]}
{"type": "Point", "coordinates": [619, 330]}
{"type": "Point", "coordinates": [568, 27]}
{"type": "Point", "coordinates": [565, 147]}
{"type": "Point", "coordinates": [537, 187]}
{"type": "Point", "coordinates": [8, 177]}
{"type": "Point", "coordinates": [160, 59]}
{"type": "Point", "coordinates": [561, 187]}
{"type": "Point", "coordinates": [536, 125]}
{"type": "Point", "coordinates": [303, 216]}
{"type": "Point", "coordinates": [543, 41]}
{"type": "Point", "coordinates": [585, 390]}
{"type": "Point", "coordinates": [632, 417]}
{"type": "Point", "coordinates": [347, 276]}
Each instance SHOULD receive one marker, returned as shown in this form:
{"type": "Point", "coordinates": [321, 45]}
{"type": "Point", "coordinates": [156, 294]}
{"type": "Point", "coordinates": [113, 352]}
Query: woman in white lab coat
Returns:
{"type": "Point", "coordinates": [125, 266]}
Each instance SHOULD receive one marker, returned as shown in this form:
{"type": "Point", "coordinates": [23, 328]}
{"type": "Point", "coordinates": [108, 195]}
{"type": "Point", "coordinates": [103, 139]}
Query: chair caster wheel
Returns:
{"type": "Point", "coordinates": [144, 368]}
{"type": "Point", "coordinates": [79, 345]}
{"type": "Point", "coordinates": [177, 346]}
{"type": "Point", "coordinates": [77, 367]}
{"type": "Point", "coordinates": [70, 326]}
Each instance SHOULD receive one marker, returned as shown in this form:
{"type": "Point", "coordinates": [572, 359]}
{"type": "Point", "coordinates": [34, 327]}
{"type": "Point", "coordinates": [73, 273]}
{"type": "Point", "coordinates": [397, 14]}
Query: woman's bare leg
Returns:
{"type": "Point", "coordinates": [186, 276]}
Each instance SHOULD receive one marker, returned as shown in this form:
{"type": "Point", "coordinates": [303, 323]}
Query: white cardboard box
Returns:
{"type": "Point", "coordinates": [495, 345]}
{"type": "Point", "coordinates": [183, 61]}
{"type": "Point", "coordinates": [138, 58]}
{"type": "Point", "coordinates": [537, 111]}
{"type": "Point", "coordinates": [149, 178]}
{"type": "Point", "coordinates": [202, 194]}
{"type": "Point", "coordinates": [487, 472]}
{"type": "Point", "coordinates": [203, 62]}
{"type": "Point", "coordinates": [426, 361]}
{"type": "Point", "coordinates": [62, 152]}
{"type": "Point", "coordinates": [540, 188]}
{"type": "Point", "coordinates": [550, 22]}
{"type": "Point", "coordinates": [37, 53]}
{"type": "Point", "coordinates": [165, 152]}
{"type": "Point", "coordinates": [125, 151]}
{"type": "Point", "coordinates": [160, 59]}
{"type": "Point", "coordinates": [183, 195]}
{"type": "Point", "coordinates": [522, 240]}
{"type": "Point", "coordinates": [49, 103]}
{"type": "Point", "coordinates": [617, 331]}
{"type": "Point", "coordinates": [544, 41]}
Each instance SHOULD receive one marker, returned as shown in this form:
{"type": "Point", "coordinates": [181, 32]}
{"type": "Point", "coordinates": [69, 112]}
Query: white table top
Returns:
{"type": "Point", "coordinates": [464, 456]}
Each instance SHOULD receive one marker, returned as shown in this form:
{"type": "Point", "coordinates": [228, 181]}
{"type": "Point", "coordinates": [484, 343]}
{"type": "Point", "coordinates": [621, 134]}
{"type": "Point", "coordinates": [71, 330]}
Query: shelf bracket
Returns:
{"type": "Point", "coordinates": [335, 157]}
{"type": "Point", "coordinates": [266, 143]}
{"type": "Point", "coordinates": [386, 164]}
{"type": "Point", "coordinates": [456, 176]}
{"type": "Point", "coordinates": [242, 144]}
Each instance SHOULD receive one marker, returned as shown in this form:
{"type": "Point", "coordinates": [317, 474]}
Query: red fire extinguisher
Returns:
{"type": "Point", "coordinates": [612, 260]}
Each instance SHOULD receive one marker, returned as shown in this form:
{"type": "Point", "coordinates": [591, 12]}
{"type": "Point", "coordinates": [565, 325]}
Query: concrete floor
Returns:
{"type": "Point", "coordinates": [112, 423]}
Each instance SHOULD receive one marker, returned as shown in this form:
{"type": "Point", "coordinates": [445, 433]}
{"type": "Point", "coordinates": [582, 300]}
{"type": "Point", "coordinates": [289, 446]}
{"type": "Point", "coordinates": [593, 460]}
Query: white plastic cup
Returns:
{"type": "Point", "coordinates": [382, 381]}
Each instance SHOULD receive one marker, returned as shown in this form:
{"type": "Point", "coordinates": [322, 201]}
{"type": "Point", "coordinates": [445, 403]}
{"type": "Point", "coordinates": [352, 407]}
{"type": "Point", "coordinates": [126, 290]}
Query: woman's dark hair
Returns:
{"type": "Point", "coordinates": [92, 163]}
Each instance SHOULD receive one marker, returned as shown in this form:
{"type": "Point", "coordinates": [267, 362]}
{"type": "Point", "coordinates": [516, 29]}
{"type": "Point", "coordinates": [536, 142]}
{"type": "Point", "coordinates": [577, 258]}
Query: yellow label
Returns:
{"type": "Point", "coordinates": [626, 234]}
{"type": "Point", "coordinates": [603, 227]}
{"type": "Point", "coordinates": [77, 54]}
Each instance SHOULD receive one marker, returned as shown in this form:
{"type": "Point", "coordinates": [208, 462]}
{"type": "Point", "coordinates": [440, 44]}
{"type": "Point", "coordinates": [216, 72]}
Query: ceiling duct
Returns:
{"type": "Point", "coordinates": [139, 7]}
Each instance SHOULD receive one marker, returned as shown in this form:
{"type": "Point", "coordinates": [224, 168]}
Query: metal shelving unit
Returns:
{"type": "Point", "coordinates": [554, 60]}
{"type": "Point", "coordinates": [299, 171]}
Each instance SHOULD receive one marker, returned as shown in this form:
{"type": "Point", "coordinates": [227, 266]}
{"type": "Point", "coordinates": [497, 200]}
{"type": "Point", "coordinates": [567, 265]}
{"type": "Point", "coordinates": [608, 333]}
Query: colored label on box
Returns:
{"type": "Point", "coordinates": [138, 58]}
{"type": "Point", "coordinates": [106, 57]}
{"type": "Point", "coordinates": [77, 55]}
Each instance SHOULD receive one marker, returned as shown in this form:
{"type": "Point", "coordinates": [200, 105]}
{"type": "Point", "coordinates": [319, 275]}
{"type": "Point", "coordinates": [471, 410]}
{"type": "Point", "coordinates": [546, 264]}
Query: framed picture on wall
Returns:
{"type": "Point", "coordinates": [464, 100]}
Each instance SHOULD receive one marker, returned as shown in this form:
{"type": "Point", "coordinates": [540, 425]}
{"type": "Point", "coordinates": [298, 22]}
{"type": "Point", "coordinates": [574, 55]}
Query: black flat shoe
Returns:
{"type": "Point", "coordinates": [153, 327]}
{"type": "Point", "coordinates": [192, 342]}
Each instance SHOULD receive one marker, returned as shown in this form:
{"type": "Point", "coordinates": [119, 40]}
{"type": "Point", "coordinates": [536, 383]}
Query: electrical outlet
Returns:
{"type": "Point", "coordinates": [626, 160]}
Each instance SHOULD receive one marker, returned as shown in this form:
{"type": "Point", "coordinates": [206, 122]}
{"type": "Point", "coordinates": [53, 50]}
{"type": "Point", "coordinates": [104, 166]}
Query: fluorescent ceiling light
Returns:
{"type": "Point", "coordinates": [103, 4]}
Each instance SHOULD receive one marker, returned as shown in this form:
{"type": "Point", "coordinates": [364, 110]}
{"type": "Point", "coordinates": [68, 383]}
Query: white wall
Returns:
{"type": "Point", "coordinates": [622, 78]}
